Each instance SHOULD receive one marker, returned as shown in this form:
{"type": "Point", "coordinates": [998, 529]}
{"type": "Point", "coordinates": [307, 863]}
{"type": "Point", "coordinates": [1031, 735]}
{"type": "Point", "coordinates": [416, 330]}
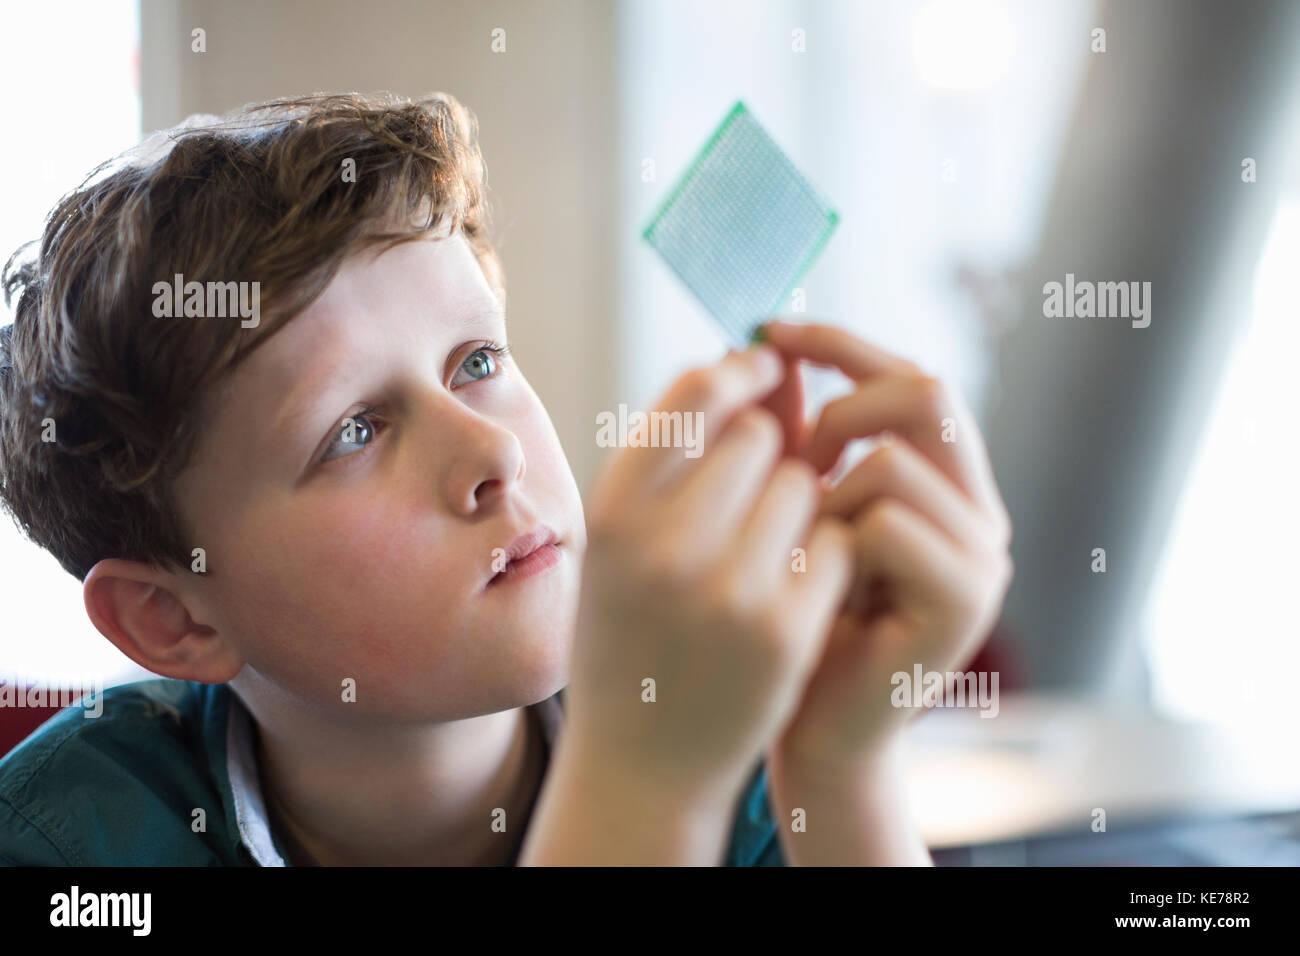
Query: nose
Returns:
{"type": "Point", "coordinates": [481, 459]}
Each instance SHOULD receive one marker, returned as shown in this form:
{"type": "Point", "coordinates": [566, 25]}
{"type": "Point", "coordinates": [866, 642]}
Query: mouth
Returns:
{"type": "Point", "coordinates": [528, 555]}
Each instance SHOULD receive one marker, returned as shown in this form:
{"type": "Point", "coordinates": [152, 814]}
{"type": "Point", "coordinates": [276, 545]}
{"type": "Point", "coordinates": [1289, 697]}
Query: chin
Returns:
{"type": "Point", "coordinates": [547, 671]}
{"type": "Point", "coordinates": [540, 662]}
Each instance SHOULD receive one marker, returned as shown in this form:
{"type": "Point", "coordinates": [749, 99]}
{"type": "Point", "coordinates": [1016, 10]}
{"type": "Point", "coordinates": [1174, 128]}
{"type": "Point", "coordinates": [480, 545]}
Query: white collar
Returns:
{"type": "Point", "coordinates": [246, 788]}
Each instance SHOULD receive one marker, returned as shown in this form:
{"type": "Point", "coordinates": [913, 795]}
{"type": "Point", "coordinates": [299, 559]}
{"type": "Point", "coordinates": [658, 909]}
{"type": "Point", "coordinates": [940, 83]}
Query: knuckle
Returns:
{"type": "Point", "coordinates": [836, 533]}
{"type": "Point", "coordinates": [732, 596]}
{"type": "Point", "coordinates": [932, 394]}
{"type": "Point", "coordinates": [761, 426]}
{"type": "Point", "coordinates": [886, 461]}
{"type": "Point", "coordinates": [698, 387]}
{"type": "Point", "coordinates": [908, 367]}
{"type": "Point", "coordinates": [987, 589]}
{"type": "Point", "coordinates": [801, 476]}
{"type": "Point", "coordinates": [1007, 571]}
{"type": "Point", "coordinates": [882, 518]}
{"type": "Point", "coordinates": [1004, 531]}
{"type": "Point", "coordinates": [722, 601]}
{"type": "Point", "coordinates": [769, 629]}
{"type": "Point", "coordinates": [1008, 530]}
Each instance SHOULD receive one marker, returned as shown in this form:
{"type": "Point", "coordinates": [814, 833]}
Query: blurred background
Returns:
{"type": "Point", "coordinates": [975, 150]}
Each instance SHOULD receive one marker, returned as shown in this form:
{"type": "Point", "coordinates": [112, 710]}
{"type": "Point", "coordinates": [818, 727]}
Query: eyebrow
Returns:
{"type": "Point", "coordinates": [302, 400]}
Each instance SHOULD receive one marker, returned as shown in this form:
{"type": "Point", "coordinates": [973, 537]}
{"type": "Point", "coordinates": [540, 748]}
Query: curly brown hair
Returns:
{"type": "Point", "coordinates": [258, 195]}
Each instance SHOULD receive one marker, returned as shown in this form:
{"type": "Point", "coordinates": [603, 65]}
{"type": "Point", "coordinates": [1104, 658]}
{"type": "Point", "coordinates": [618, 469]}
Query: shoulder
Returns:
{"type": "Point", "coordinates": [116, 782]}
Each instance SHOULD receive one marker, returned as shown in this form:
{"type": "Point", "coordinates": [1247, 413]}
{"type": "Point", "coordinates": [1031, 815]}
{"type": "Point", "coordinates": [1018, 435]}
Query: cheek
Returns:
{"type": "Point", "coordinates": [326, 593]}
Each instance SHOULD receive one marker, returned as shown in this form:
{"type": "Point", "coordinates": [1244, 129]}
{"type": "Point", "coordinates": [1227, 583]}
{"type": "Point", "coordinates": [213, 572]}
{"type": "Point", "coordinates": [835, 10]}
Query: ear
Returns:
{"type": "Point", "coordinates": [135, 605]}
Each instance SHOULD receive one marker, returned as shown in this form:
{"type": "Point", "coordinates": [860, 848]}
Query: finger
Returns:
{"type": "Point", "coordinates": [713, 501]}
{"type": "Point", "coordinates": [711, 395]}
{"type": "Point", "coordinates": [898, 470]}
{"type": "Point", "coordinates": [930, 579]}
{"type": "Point", "coordinates": [832, 347]}
{"type": "Point", "coordinates": [817, 593]}
{"type": "Point", "coordinates": [777, 525]}
{"type": "Point", "coordinates": [787, 404]}
{"type": "Point", "coordinates": [921, 410]}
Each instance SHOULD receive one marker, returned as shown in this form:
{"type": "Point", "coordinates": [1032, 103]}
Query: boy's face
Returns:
{"type": "Point", "coordinates": [368, 559]}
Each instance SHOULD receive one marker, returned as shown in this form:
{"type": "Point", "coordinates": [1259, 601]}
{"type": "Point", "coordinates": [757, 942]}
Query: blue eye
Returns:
{"type": "Point", "coordinates": [357, 431]}
{"type": "Point", "coordinates": [483, 361]}
{"type": "Point", "coordinates": [354, 433]}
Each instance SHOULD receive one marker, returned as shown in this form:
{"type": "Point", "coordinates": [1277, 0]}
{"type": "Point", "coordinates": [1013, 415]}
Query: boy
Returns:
{"type": "Point", "coordinates": [301, 478]}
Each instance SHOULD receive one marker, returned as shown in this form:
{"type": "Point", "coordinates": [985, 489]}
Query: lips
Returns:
{"type": "Point", "coordinates": [523, 553]}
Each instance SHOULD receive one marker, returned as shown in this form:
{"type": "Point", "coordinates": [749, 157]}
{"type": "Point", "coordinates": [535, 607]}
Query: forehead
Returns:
{"type": "Point", "coordinates": [433, 277]}
{"type": "Point", "coordinates": [428, 284]}
{"type": "Point", "coordinates": [380, 303]}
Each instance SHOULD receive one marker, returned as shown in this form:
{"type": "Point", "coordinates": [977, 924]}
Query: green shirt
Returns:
{"type": "Point", "coordinates": [125, 788]}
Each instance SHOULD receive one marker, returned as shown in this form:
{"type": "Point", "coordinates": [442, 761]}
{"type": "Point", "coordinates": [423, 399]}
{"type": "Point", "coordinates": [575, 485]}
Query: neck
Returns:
{"type": "Point", "coordinates": [403, 795]}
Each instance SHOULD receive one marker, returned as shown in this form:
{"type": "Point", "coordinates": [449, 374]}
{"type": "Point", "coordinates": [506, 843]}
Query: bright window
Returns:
{"type": "Point", "coordinates": [1223, 635]}
{"type": "Point", "coordinates": [71, 70]}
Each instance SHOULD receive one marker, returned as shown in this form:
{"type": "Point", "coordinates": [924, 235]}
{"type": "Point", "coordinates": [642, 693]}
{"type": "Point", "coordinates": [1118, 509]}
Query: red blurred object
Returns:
{"type": "Point", "coordinates": [999, 653]}
{"type": "Point", "coordinates": [16, 723]}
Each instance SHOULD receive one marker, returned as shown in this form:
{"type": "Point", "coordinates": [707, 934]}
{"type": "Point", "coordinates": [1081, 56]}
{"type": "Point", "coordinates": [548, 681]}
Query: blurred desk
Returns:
{"type": "Point", "coordinates": [1044, 763]}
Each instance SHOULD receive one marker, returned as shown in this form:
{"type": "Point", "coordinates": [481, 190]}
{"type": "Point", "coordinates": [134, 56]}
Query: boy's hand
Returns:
{"type": "Point", "coordinates": [931, 538]}
{"type": "Point", "coordinates": [688, 581]}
